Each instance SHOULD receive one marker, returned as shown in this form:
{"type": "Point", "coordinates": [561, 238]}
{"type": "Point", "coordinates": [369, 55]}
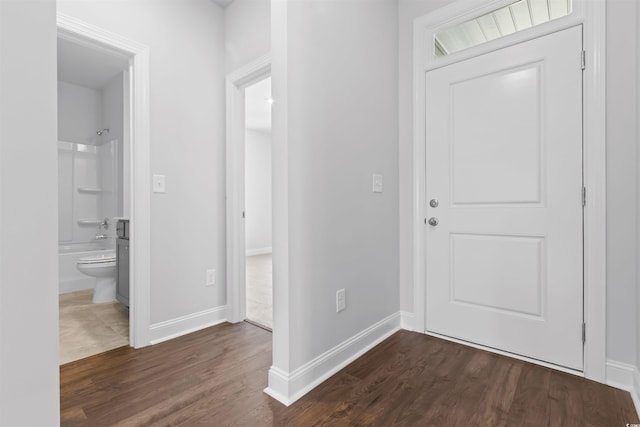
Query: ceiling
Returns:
{"type": "Point", "coordinates": [257, 107]}
{"type": "Point", "coordinates": [87, 67]}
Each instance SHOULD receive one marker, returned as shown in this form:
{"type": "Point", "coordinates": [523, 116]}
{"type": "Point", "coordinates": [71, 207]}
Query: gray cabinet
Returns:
{"type": "Point", "coordinates": [122, 258]}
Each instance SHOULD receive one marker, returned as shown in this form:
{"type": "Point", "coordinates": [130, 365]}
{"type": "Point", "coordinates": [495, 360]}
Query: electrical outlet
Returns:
{"type": "Point", "coordinates": [211, 277]}
{"type": "Point", "coordinates": [341, 301]}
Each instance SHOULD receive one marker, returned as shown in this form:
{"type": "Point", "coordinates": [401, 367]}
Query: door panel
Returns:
{"type": "Point", "coordinates": [479, 169]}
{"type": "Point", "coordinates": [504, 160]}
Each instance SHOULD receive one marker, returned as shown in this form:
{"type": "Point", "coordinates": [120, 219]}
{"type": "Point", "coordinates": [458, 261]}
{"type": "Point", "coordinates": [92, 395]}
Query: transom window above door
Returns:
{"type": "Point", "coordinates": [518, 16]}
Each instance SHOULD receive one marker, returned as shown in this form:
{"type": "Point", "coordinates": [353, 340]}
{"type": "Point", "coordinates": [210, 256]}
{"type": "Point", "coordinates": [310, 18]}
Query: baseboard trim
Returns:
{"type": "Point", "coordinates": [407, 321]}
{"type": "Point", "coordinates": [259, 251]}
{"type": "Point", "coordinates": [625, 377]}
{"type": "Point", "coordinates": [620, 375]}
{"type": "Point", "coordinates": [289, 387]}
{"type": "Point", "coordinates": [179, 326]}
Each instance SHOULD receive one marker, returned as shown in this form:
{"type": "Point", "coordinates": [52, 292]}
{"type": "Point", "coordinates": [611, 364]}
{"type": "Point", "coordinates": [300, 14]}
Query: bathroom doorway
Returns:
{"type": "Point", "coordinates": [94, 193]}
{"type": "Point", "coordinates": [258, 204]}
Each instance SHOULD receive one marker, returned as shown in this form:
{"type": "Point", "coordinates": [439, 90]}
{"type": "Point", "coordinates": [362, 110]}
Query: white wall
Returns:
{"type": "Point", "coordinates": [79, 113]}
{"type": "Point", "coordinates": [186, 51]}
{"type": "Point", "coordinates": [247, 26]}
{"type": "Point", "coordinates": [258, 205]}
{"type": "Point", "coordinates": [29, 385]}
{"type": "Point", "coordinates": [335, 84]}
{"type": "Point", "coordinates": [622, 115]}
{"type": "Point", "coordinates": [113, 119]}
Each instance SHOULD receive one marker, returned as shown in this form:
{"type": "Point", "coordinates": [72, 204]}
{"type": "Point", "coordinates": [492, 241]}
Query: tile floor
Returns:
{"type": "Point", "coordinates": [259, 295]}
{"type": "Point", "coordinates": [87, 328]}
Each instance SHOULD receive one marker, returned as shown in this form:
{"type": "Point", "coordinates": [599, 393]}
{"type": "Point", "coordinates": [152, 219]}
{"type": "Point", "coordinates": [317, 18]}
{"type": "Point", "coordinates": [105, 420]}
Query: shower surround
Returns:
{"type": "Point", "coordinates": [90, 174]}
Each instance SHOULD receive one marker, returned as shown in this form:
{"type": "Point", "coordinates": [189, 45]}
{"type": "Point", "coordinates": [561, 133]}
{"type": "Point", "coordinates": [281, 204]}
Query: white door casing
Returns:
{"type": "Point", "coordinates": [504, 160]}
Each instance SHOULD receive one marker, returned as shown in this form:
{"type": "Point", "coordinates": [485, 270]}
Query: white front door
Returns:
{"type": "Point", "coordinates": [504, 183]}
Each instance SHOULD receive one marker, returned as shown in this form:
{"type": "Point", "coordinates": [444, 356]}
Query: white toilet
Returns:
{"type": "Point", "coordinates": [103, 268]}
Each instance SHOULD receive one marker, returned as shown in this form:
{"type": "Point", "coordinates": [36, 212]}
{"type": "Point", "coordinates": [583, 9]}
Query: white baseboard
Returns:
{"type": "Point", "coordinates": [625, 377]}
{"type": "Point", "coordinates": [259, 251]}
{"type": "Point", "coordinates": [620, 375]}
{"type": "Point", "coordinates": [289, 387]}
{"type": "Point", "coordinates": [174, 328]}
{"type": "Point", "coordinates": [407, 321]}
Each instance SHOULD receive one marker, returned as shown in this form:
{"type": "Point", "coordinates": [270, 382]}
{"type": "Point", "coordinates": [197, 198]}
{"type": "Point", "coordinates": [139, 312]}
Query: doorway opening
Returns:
{"type": "Point", "coordinates": [106, 128]}
{"type": "Point", "coordinates": [591, 17]}
{"type": "Point", "coordinates": [258, 205]}
{"type": "Point", "coordinates": [258, 118]}
{"type": "Point", "coordinates": [93, 182]}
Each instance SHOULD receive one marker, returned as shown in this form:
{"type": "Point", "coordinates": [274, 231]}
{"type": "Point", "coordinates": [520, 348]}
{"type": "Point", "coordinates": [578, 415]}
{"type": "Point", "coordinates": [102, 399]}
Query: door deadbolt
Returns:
{"type": "Point", "coordinates": [434, 203]}
{"type": "Point", "coordinates": [433, 221]}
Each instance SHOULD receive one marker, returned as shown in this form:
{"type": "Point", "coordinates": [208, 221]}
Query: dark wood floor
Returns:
{"type": "Point", "coordinates": [215, 377]}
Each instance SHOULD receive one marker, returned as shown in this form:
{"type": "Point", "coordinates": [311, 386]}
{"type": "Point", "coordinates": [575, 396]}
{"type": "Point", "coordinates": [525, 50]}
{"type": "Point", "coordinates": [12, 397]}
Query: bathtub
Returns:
{"type": "Point", "coordinates": [70, 279]}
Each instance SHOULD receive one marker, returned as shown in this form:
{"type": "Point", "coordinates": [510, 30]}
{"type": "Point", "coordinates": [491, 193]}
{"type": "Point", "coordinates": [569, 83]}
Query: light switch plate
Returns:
{"type": "Point", "coordinates": [378, 184]}
{"type": "Point", "coordinates": [159, 184]}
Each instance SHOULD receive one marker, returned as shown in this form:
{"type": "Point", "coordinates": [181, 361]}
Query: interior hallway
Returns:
{"type": "Point", "coordinates": [216, 376]}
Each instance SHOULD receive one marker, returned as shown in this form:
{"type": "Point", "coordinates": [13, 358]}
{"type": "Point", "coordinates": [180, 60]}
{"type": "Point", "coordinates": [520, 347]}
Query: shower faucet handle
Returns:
{"type": "Point", "coordinates": [105, 223]}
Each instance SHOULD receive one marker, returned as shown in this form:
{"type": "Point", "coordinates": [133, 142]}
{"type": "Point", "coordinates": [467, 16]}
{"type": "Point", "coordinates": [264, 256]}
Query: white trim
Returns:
{"type": "Point", "coordinates": [620, 375]}
{"type": "Point", "coordinates": [625, 377]}
{"type": "Point", "coordinates": [236, 82]}
{"type": "Point", "coordinates": [89, 35]}
{"type": "Point", "coordinates": [287, 388]}
{"type": "Point", "coordinates": [407, 321]}
{"type": "Point", "coordinates": [592, 15]}
{"type": "Point", "coordinates": [184, 325]}
{"type": "Point", "coordinates": [259, 251]}
{"type": "Point", "coordinates": [595, 225]}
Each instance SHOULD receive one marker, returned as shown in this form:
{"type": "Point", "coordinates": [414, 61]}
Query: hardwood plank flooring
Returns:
{"type": "Point", "coordinates": [215, 377]}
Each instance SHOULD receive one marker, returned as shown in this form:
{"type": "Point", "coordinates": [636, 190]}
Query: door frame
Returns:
{"type": "Point", "coordinates": [591, 15]}
{"type": "Point", "coordinates": [236, 83]}
{"type": "Point", "coordinates": [137, 115]}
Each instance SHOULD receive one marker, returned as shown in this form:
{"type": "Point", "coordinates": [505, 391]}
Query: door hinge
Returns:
{"type": "Point", "coordinates": [584, 196]}
{"type": "Point", "coordinates": [584, 333]}
{"type": "Point", "coordinates": [583, 59]}
{"type": "Point", "coordinates": [243, 215]}
{"type": "Point", "coordinates": [425, 221]}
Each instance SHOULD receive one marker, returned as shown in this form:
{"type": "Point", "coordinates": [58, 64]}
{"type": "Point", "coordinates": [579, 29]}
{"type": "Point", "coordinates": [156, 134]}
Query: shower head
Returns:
{"type": "Point", "coordinates": [100, 132]}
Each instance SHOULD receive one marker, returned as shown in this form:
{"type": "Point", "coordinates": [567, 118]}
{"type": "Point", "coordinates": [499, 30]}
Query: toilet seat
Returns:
{"type": "Point", "coordinates": [105, 258]}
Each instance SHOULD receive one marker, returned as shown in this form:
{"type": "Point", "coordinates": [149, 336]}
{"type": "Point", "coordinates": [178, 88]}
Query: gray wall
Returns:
{"type": "Point", "coordinates": [29, 390]}
{"type": "Point", "coordinates": [338, 78]}
{"type": "Point", "coordinates": [247, 32]}
{"type": "Point", "coordinates": [622, 115]}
